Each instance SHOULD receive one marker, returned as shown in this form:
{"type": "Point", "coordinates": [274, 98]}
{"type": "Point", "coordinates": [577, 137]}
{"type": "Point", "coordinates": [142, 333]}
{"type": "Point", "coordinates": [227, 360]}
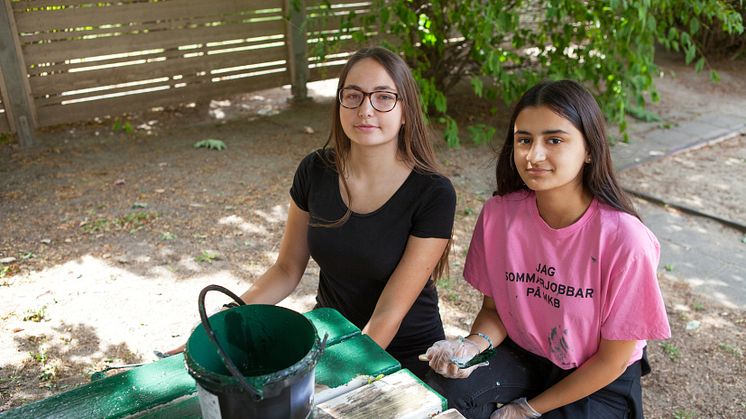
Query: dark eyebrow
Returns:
{"type": "Point", "coordinates": [375, 89]}
{"type": "Point", "coordinates": [547, 132]}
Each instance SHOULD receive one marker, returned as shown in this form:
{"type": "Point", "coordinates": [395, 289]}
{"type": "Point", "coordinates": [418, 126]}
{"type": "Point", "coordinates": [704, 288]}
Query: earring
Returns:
{"type": "Point", "coordinates": [588, 160]}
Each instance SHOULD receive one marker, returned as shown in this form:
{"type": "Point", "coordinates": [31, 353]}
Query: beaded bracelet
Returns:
{"type": "Point", "coordinates": [485, 337]}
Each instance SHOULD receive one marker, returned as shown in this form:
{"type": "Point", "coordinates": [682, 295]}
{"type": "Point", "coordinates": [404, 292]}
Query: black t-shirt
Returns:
{"type": "Point", "coordinates": [357, 258]}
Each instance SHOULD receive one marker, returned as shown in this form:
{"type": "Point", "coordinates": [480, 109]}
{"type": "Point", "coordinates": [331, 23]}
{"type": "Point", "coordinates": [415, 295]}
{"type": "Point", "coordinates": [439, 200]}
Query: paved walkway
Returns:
{"type": "Point", "coordinates": [708, 255]}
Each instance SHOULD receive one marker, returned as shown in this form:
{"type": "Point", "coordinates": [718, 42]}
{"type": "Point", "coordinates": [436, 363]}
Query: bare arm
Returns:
{"type": "Point", "coordinates": [598, 371]}
{"type": "Point", "coordinates": [405, 284]}
{"type": "Point", "coordinates": [488, 322]}
{"type": "Point", "coordinates": [283, 276]}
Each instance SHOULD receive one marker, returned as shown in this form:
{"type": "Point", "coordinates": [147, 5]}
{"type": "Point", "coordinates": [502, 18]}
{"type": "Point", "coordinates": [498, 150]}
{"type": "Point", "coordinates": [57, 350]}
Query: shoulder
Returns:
{"type": "Point", "coordinates": [433, 185]}
{"type": "Point", "coordinates": [315, 162]}
{"type": "Point", "coordinates": [626, 231]}
{"type": "Point", "coordinates": [508, 203]}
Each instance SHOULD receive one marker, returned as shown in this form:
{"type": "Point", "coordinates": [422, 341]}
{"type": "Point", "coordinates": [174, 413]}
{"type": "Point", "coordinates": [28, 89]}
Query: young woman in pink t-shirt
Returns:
{"type": "Point", "coordinates": [568, 273]}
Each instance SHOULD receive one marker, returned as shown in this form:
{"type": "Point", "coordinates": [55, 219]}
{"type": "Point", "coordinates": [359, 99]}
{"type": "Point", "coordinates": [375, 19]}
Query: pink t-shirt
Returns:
{"type": "Point", "coordinates": [559, 291]}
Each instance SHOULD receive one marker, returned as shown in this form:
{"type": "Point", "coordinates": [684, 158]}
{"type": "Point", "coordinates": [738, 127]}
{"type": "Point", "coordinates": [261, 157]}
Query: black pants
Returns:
{"type": "Point", "coordinates": [514, 373]}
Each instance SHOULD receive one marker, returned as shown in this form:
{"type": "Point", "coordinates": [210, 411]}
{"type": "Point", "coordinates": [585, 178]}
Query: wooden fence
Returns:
{"type": "Point", "coordinates": [72, 60]}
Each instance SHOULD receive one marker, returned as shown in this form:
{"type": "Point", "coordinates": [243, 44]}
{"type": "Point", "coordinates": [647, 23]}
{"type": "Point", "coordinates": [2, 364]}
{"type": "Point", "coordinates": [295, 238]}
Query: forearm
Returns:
{"type": "Point", "coordinates": [405, 284]}
{"type": "Point", "coordinates": [382, 328]}
{"type": "Point", "coordinates": [596, 373]}
{"type": "Point", "coordinates": [273, 286]}
{"type": "Point", "coordinates": [488, 323]}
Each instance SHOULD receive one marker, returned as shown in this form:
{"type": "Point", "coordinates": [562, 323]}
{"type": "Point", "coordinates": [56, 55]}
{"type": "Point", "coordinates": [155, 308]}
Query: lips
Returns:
{"type": "Point", "coordinates": [366, 128]}
{"type": "Point", "coordinates": [537, 171]}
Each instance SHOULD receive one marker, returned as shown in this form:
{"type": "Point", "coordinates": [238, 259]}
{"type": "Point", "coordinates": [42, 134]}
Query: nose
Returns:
{"type": "Point", "coordinates": [536, 153]}
{"type": "Point", "coordinates": [366, 108]}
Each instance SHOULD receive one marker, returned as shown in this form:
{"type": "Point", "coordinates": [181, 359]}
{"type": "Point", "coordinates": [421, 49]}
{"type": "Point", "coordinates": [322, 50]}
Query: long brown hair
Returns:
{"type": "Point", "coordinates": [413, 145]}
{"type": "Point", "coordinates": [573, 102]}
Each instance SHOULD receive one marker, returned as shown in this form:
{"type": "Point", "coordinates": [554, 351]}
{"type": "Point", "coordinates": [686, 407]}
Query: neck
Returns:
{"type": "Point", "coordinates": [562, 208]}
{"type": "Point", "coordinates": [373, 161]}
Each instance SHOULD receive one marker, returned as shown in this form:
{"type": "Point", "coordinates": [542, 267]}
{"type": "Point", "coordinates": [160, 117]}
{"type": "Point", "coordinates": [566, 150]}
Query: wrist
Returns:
{"type": "Point", "coordinates": [480, 339]}
{"type": "Point", "coordinates": [530, 406]}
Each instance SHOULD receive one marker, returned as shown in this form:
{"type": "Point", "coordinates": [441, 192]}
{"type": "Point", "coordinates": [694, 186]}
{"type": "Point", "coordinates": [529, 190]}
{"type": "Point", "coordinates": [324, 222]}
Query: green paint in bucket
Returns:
{"type": "Point", "coordinates": [274, 352]}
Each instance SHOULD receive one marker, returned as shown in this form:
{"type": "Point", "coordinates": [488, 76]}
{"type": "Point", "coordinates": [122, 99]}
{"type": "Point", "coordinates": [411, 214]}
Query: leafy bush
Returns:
{"type": "Point", "coordinates": [505, 46]}
{"type": "Point", "coordinates": [714, 39]}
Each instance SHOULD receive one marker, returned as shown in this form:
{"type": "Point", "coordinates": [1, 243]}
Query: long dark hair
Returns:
{"type": "Point", "coordinates": [573, 102]}
{"type": "Point", "coordinates": [413, 145]}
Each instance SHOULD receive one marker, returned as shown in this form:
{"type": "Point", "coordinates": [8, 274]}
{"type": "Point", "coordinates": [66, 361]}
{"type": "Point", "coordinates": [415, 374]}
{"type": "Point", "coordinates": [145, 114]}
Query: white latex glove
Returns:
{"type": "Point", "coordinates": [445, 355]}
{"type": "Point", "coordinates": [517, 409]}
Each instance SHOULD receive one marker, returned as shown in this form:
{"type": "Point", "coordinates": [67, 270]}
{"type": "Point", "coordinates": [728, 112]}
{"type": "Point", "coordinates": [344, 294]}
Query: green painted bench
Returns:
{"type": "Point", "coordinates": [164, 389]}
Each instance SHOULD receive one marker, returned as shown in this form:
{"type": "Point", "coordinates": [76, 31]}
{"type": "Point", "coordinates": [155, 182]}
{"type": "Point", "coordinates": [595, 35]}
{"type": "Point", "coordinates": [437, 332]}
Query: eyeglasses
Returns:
{"type": "Point", "coordinates": [380, 100]}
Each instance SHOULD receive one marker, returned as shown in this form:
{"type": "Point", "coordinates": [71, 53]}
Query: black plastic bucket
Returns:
{"type": "Point", "coordinates": [253, 361]}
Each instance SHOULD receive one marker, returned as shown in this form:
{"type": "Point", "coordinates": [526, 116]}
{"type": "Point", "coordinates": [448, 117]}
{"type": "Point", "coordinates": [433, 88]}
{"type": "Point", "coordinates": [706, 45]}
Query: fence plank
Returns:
{"type": "Point", "coordinates": [53, 115]}
{"type": "Point", "coordinates": [22, 5]}
{"type": "Point", "coordinates": [323, 73]}
{"type": "Point", "coordinates": [217, 49]}
{"type": "Point", "coordinates": [61, 51]}
{"type": "Point", "coordinates": [18, 102]}
{"type": "Point", "coordinates": [171, 66]}
{"type": "Point", "coordinates": [4, 123]}
{"type": "Point", "coordinates": [90, 32]}
{"type": "Point", "coordinates": [135, 12]}
{"type": "Point", "coordinates": [151, 82]}
{"type": "Point", "coordinates": [297, 57]}
{"type": "Point", "coordinates": [4, 126]}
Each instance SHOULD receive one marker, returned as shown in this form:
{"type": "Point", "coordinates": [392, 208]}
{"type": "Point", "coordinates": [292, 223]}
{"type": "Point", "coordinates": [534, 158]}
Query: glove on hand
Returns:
{"type": "Point", "coordinates": [444, 355]}
{"type": "Point", "coordinates": [517, 409]}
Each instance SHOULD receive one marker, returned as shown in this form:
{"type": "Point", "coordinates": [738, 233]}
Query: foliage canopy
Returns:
{"type": "Point", "coordinates": [503, 47]}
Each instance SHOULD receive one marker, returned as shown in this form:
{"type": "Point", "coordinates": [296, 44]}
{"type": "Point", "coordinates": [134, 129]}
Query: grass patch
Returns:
{"type": "Point", "coordinates": [448, 287]}
{"type": "Point", "coordinates": [135, 221]}
{"type": "Point", "coordinates": [671, 351]}
{"type": "Point", "coordinates": [207, 256]}
{"type": "Point", "coordinates": [684, 414]}
{"type": "Point", "coordinates": [731, 349]}
{"type": "Point", "coordinates": [35, 315]}
{"type": "Point", "coordinates": [96, 226]}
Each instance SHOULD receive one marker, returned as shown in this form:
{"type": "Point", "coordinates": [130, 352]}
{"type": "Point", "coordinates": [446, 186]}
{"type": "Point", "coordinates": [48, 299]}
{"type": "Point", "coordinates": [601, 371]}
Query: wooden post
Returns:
{"type": "Point", "coordinates": [295, 39]}
{"type": "Point", "coordinates": [17, 91]}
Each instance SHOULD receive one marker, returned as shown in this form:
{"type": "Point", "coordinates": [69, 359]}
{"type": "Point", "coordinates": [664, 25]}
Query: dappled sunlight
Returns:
{"type": "Point", "coordinates": [243, 225]}
{"type": "Point", "coordinates": [278, 214]}
{"type": "Point", "coordinates": [100, 297]}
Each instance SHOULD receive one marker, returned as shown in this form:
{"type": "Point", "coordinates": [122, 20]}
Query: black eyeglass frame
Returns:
{"type": "Point", "coordinates": [369, 95]}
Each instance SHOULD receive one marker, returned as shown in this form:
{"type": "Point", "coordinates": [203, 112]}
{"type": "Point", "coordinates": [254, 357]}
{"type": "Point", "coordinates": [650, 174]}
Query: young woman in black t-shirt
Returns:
{"type": "Point", "coordinates": [373, 211]}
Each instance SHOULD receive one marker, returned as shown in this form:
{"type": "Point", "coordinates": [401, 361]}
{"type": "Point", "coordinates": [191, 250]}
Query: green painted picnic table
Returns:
{"type": "Point", "coordinates": [164, 389]}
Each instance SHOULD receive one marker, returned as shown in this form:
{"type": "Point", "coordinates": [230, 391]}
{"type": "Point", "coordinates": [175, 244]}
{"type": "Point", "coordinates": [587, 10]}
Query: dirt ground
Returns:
{"type": "Point", "coordinates": [112, 234]}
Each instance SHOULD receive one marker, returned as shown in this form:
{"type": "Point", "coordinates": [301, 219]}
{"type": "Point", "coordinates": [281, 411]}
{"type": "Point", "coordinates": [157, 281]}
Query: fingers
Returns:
{"type": "Point", "coordinates": [174, 351]}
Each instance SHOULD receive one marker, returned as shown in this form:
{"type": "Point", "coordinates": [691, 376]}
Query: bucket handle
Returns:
{"type": "Point", "coordinates": [257, 394]}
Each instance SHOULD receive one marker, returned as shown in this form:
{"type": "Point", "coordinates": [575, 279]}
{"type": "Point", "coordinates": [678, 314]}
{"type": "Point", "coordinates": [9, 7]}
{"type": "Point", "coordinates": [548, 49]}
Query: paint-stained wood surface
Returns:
{"type": "Point", "coordinates": [399, 395]}
{"type": "Point", "coordinates": [449, 414]}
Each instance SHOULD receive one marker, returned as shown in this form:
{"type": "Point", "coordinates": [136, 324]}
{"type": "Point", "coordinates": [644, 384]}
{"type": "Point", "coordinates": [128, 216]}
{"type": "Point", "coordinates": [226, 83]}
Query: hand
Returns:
{"type": "Point", "coordinates": [517, 409]}
{"type": "Point", "coordinates": [444, 355]}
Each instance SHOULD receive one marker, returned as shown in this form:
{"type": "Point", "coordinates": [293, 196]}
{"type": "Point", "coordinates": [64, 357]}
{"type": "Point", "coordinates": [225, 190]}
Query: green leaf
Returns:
{"type": "Point", "coordinates": [642, 114]}
{"type": "Point", "coordinates": [211, 144]}
{"type": "Point", "coordinates": [691, 52]}
{"type": "Point", "coordinates": [714, 76]}
{"type": "Point", "coordinates": [477, 84]}
{"type": "Point", "coordinates": [451, 133]}
{"type": "Point", "coordinates": [481, 133]}
{"type": "Point", "coordinates": [694, 26]}
{"type": "Point", "coordinates": [699, 65]}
